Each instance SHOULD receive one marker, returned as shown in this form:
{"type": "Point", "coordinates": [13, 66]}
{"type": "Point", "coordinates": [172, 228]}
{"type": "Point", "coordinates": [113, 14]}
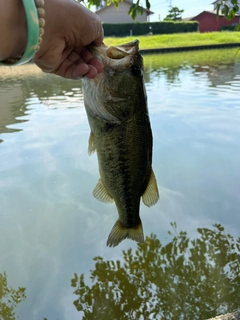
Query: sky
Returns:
{"type": "Point", "coordinates": [191, 7]}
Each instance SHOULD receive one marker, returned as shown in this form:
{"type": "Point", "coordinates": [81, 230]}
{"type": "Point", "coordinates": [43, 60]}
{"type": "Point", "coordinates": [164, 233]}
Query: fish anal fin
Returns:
{"type": "Point", "coordinates": [101, 193]}
{"type": "Point", "coordinates": [119, 233]}
{"type": "Point", "coordinates": [91, 144]}
{"type": "Point", "coordinates": [151, 195]}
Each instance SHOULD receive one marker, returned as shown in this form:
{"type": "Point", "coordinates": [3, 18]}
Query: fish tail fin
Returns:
{"type": "Point", "coordinates": [119, 233]}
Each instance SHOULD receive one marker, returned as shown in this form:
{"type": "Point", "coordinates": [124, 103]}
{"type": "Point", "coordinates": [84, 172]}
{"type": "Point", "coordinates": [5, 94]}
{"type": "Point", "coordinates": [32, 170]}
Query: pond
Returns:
{"type": "Point", "coordinates": [53, 232]}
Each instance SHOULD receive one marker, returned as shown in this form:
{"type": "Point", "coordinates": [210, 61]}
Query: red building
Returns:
{"type": "Point", "coordinates": [208, 21]}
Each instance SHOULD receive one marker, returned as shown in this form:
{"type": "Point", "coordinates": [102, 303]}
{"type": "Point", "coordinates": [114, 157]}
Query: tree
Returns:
{"type": "Point", "coordinates": [135, 8]}
{"type": "Point", "coordinates": [174, 14]}
{"type": "Point", "coordinates": [183, 279]}
{"type": "Point", "coordinates": [9, 298]}
{"type": "Point", "coordinates": [228, 11]}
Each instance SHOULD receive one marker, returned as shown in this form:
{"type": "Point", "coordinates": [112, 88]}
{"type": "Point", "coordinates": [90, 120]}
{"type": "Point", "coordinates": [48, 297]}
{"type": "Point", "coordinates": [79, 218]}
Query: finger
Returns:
{"type": "Point", "coordinates": [97, 64]}
{"type": "Point", "coordinates": [70, 70]}
{"type": "Point", "coordinates": [90, 61]}
{"type": "Point", "coordinates": [91, 74]}
{"type": "Point", "coordinates": [99, 40]}
{"type": "Point", "coordinates": [84, 53]}
{"type": "Point", "coordinates": [74, 71]}
{"type": "Point", "coordinates": [75, 64]}
{"type": "Point", "coordinates": [87, 57]}
{"type": "Point", "coordinates": [93, 70]}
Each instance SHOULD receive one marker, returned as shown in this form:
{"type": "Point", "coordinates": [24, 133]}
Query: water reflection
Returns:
{"type": "Point", "coordinates": [9, 298]}
{"type": "Point", "coordinates": [24, 86]}
{"type": "Point", "coordinates": [184, 279]}
{"type": "Point", "coordinates": [12, 104]}
{"type": "Point", "coordinates": [220, 66]}
{"type": "Point", "coordinates": [50, 224]}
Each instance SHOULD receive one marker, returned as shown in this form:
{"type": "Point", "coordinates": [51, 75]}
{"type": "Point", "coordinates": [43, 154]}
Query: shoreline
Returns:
{"type": "Point", "coordinates": [191, 48]}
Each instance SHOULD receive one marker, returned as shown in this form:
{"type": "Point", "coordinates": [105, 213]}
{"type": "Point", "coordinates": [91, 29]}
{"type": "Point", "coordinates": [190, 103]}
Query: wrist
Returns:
{"type": "Point", "coordinates": [13, 29]}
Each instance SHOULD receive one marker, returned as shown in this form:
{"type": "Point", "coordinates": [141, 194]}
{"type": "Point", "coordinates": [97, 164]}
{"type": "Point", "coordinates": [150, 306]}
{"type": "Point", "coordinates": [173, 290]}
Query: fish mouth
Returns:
{"type": "Point", "coordinates": [120, 55]}
{"type": "Point", "coordinates": [121, 51]}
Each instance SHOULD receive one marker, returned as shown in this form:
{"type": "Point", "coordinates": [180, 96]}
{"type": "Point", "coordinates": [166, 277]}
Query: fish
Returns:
{"type": "Point", "coordinates": [116, 106]}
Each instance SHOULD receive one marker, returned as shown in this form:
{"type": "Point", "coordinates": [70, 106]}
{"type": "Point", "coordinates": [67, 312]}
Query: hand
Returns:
{"type": "Point", "coordinates": [69, 29]}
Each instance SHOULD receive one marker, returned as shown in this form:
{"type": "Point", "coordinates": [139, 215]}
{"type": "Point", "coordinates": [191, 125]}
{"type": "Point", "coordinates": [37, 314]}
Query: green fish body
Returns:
{"type": "Point", "coordinates": [116, 105]}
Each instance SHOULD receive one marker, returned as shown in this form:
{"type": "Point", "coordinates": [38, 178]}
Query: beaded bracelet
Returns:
{"type": "Point", "coordinates": [35, 21]}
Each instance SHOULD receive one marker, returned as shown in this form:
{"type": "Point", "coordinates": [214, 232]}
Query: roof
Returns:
{"type": "Point", "coordinates": [188, 18]}
{"type": "Point", "coordinates": [126, 1]}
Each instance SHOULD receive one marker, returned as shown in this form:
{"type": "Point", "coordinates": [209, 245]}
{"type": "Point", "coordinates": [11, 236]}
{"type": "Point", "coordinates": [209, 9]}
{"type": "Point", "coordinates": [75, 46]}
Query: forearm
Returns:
{"type": "Point", "coordinates": [13, 29]}
{"type": "Point", "coordinates": [68, 29]}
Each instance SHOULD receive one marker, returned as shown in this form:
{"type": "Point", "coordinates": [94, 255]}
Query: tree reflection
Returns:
{"type": "Point", "coordinates": [21, 87]}
{"type": "Point", "coordinates": [184, 279]}
{"type": "Point", "coordinates": [9, 298]}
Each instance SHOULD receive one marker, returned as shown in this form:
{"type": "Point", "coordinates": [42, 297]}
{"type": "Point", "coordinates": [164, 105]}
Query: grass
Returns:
{"type": "Point", "coordinates": [178, 39]}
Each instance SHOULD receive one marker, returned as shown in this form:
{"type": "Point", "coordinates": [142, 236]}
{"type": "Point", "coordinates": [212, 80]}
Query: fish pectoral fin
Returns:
{"type": "Point", "coordinates": [101, 193]}
{"type": "Point", "coordinates": [151, 195]}
{"type": "Point", "coordinates": [91, 144]}
{"type": "Point", "coordinates": [119, 233]}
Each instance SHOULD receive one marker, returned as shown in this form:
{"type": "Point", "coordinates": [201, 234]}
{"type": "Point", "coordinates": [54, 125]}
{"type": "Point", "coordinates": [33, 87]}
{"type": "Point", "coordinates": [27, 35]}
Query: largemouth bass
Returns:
{"type": "Point", "coordinates": [116, 106]}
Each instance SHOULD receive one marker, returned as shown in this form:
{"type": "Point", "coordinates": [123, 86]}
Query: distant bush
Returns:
{"type": "Point", "coordinates": [144, 28]}
{"type": "Point", "coordinates": [229, 28]}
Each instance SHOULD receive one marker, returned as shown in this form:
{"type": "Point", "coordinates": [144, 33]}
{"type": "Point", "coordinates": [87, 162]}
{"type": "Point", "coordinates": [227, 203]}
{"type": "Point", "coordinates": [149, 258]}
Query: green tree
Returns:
{"type": "Point", "coordinates": [184, 279]}
{"type": "Point", "coordinates": [9, 298]}
{"type": "Point", "coordinates": [174, 14]}
{"type": "Point", "coordinates": [134, 10]}
{"type": "Point", "coordinates": [228, 11]}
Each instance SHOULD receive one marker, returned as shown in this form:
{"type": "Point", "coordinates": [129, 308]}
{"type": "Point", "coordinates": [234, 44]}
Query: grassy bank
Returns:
{"type": "Point", "coordinates": [178, 39]}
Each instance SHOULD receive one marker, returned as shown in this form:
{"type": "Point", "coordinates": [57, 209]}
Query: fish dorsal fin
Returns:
{"type": "Point", "coordinates": [91, 144]}
{"type": "Point", "coordinates": [151, 195]}
{"type": "Point", "coordinates": [101, 193]}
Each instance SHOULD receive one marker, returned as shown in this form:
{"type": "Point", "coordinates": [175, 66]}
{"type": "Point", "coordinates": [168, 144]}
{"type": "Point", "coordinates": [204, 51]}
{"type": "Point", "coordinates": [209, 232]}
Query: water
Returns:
{"type": "Point", "coordinates": [51, 227]}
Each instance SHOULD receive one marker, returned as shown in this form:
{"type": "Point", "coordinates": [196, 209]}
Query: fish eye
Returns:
{"type": "Point", "coordinates": [136, 70]}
